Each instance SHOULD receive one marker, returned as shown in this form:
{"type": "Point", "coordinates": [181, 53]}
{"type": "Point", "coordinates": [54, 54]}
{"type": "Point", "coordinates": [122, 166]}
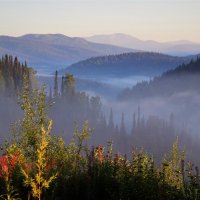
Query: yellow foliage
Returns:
{"type": "Point", "coordinates": [40, 181]}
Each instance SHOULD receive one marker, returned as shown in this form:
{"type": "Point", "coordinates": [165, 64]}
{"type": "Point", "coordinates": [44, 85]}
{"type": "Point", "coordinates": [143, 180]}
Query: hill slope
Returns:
{"type": "Point", "coordinates": [181, 80]}
{"type": "Point", "coordinates": [49, 52]}
{"type": "Point", "coordinates": [125, 65]}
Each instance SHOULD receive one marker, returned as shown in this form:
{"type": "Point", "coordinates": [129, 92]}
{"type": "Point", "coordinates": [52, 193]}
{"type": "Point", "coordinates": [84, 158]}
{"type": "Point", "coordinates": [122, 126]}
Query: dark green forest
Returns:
{"type": "Point", "coordinates": [126, 64]}
{"type": "Point", "coordinates": [100, 160]}
{"type": "Point", "coordinates": [183, 78]}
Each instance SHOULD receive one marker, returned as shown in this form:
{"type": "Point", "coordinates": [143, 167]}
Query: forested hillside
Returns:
{"type": "Point", "coordinates": [125, 65]}
{"type": "Point", "coordinates": [184, 78]}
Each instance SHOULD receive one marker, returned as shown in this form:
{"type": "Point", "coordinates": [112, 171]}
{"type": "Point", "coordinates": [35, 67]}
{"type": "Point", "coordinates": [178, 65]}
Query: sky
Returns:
{"type": "Point", "coordinates": [161, 20]}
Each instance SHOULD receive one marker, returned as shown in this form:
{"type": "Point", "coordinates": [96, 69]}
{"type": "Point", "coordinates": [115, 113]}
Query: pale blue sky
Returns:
{"type": "Point", "coordinates": [161, 20]}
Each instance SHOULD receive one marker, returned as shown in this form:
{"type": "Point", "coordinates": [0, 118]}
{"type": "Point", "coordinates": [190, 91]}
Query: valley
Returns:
{"type": "Point", "coordinates": [99, 100]}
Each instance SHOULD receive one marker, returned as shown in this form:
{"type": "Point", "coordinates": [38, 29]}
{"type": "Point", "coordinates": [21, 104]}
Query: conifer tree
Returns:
{"type": "Point", "coordinates": [116, 130]}
{"type": "Point", "coordinates": [134, 124]}
{"type": "Point", "coordinates": [55, 94]}
{"type": "Point", "coordinates": [122, 127]}
{"type": "Point", "coordinates": [122, 143]}
{"type": "Point", "coordinates": [2, 83]}
{"type": "Point", "coordinates": [11, 75]}
{"type": "Point", "coordinates": [138, 118]}
{"type": "Point", "coordinates": [62, 86]}
{"type": "Point", "coordinates": [50, 94]}
{"type": "Point", "coordinates": [110, 122]}
{"type": "Point", "coordinates": [171, 121]}
{"type": "Point", "coordinates": [95, 108]}
{"type": "Point", "coordinates": [69, 85]}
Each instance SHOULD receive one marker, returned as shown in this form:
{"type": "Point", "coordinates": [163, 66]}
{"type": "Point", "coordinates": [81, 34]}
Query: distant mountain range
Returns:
{"type": "Point", "coordinates": [125, 65]}
{"type": "Point", "coordinates": [182, 81]}
{"type": "Point", "coordinates": [48, 52]}
{"type": "Point", "coordinates": [179, 48]}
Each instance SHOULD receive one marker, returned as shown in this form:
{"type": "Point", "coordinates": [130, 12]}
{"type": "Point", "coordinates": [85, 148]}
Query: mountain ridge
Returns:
{"type": "Point", "coordinates": [129, 41]}
{"type": "Point", "coordinates": [126, 64]}
{"type": "Point", "coordinates": [45, 51]}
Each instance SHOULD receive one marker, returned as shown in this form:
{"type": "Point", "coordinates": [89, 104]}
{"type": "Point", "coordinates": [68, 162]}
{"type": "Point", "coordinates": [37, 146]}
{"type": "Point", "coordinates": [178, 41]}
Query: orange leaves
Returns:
{"type": "Point", "coordinates": [7, 164]}
{"type": "Point", "coordinates": [3, 165]}
{"type": "Point", "coordinates": [100, 154]}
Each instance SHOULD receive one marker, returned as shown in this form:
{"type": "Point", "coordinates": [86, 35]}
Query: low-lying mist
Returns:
{"type": "Point", "coordinates": [152, 123]}
{"type": "Point", "coordinates": [9, 113]}
{"type": "Point", "coordinates": [161, 119]}
{"type": "Point", "coordinates": [183, 105]}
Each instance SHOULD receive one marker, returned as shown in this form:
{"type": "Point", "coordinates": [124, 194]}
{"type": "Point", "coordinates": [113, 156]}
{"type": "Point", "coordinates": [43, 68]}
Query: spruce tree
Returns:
{"type": "Point", "coordinates": [122, 127]}
{"type": "Point", "coordinates": [138, 117]}
{"type": "Point", "coordinates": [55, 94]}
{"type": "Point", "coordinates": [69, 85]}
{"type": "Point", "coordinates": [62, 87]}
{"type": "Point", "coordinates": [110, 122]}
{"type": "Point", "coordinates": [134, 124]}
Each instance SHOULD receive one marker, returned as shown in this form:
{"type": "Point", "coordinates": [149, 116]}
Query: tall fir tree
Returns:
{"type": "Point", "coordinates": [68, 86]}
{"type": "Point", "coordinates": [111, 122]}
{"type": "Point", "coordinates": [122, 126]}
{"type": "Point", "coordinates": [138, 117]}
{"type": "Point", "coordinates": [50, 94]}
{"type": "Point", "coordinates": [55, 93]}
{"type": "Point", "coordinates": [134, 124]}
{"type": "Point", "coordinates": [62, 86]}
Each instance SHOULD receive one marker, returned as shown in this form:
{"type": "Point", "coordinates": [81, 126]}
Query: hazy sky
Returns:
{"type": "Point", "coordinates": [161, 20]}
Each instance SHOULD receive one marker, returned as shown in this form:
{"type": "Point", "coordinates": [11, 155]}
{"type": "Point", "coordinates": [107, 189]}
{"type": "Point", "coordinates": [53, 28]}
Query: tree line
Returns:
{"type": "Point", "coordinates": [12, 73]}
{"type": "Point", "coordinates": [183, 78]}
